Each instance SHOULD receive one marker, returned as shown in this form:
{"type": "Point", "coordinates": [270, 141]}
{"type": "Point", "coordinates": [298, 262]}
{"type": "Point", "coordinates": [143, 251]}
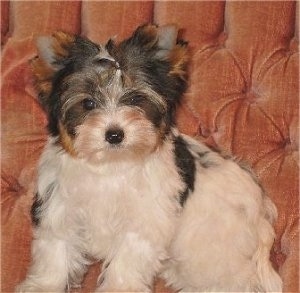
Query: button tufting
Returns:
{"type": "Point", "coordinates": [286, 144]}
{"type": "Point", "coordinates": [244, 91]}
{"type": "Point", "coordinates": [222, 39]}
{"type": "Point", "coordinates": [204, 132]}
{"type": "Point", "coordinates": [293, 46]}
{"type": "Point", "coordinates": [249, 96]}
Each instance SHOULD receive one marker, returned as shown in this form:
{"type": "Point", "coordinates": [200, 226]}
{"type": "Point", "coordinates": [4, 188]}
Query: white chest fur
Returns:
{"type": "Point", "coordinates": [103, 203]}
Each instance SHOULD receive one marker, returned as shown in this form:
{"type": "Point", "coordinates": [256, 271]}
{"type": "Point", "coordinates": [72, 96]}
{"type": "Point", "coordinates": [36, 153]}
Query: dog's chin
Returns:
{"type": "Point", "coordinates": [117, 154]}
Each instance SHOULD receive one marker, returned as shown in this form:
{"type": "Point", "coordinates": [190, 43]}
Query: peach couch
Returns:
{"type": "Point", "coordinates": [242, 98]}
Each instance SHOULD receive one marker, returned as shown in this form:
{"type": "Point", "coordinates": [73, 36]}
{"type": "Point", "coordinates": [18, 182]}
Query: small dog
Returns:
{"type": "Point", "coordinates": [119, 183]}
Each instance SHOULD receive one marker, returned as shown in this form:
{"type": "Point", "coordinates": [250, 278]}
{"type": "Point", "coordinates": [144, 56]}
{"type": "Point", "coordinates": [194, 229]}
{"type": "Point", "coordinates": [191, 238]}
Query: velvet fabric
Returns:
{"type": "Point", "coordinates": [242, 99]}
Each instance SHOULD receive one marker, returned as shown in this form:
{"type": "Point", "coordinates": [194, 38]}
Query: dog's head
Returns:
{"type": "Point", "coordinates": [112, 101]}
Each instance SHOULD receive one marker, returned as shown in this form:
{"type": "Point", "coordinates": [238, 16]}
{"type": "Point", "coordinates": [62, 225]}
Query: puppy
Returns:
{"type": "Point", "coordinates": [119, 183]}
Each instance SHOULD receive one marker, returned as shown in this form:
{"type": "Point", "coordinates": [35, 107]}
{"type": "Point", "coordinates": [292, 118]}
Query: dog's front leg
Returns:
{"type": "Point", "coordinates": [132, 265]}
{"type": "Point", "coordinates": [49, 269]}
{"type": "Point", "coordinates": [56, 263]}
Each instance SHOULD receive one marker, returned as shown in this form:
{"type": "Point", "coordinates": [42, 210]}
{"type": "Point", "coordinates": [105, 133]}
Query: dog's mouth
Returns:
{"type": "Point", "coordinates": [116, 153]}
{"type": "Point", "coordinates": [115, 148]}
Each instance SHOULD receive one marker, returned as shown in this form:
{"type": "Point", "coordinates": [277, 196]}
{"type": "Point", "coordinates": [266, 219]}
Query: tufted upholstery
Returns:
{"type": "Point", "coordinates": [242, 98]}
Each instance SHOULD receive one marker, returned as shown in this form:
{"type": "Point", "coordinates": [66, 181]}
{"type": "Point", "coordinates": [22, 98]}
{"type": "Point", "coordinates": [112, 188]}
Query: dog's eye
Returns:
{"type": "Point", "coordinates": [135, 100]}
{"type": "Point", "coordinates": [88, 104]}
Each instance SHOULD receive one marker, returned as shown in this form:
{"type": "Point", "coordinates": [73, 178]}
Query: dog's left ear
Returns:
{"type": "Point", "coordinates": [155, 51]}
{"type": "Point", "coordinates": [161, 43]}
{"type": "Point", "coordinates": [174, 51]}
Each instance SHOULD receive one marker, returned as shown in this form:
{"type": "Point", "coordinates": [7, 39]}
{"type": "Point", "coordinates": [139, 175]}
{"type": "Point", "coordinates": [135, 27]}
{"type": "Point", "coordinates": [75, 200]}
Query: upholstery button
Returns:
{"type": "Point", "coordinates": [204, 132]}
{"type": "Point", "coordinates": [293, 47]}
{"type": "Point", "coordinates": [286, 145]}
{"type": "Point", "coordinates": [222, 39]}
{"type": "Point", "coordinates": [249, 96]}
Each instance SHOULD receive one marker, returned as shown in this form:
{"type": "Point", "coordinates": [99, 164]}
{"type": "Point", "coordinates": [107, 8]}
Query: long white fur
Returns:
{"type": "Point", "coordinates": [127, 213]}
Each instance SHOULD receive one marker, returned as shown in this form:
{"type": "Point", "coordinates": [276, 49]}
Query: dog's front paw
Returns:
{"type": "Point", "coordinates": [26, 287]}
{"type": "Point", "coordinates": [31, 286]}
{"type": "Point", "coordinates": [113, 289]}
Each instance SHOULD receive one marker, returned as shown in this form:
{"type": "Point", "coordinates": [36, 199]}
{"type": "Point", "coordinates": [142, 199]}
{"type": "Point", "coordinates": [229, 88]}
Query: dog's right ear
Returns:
{"type": "Point", "coordinates": [53, 51]}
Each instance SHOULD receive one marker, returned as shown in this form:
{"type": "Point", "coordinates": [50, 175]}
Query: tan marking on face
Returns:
{"type": "Point", "coordinates": [147, 138]}
{"type": "Point", "coordinates": [66, 141]}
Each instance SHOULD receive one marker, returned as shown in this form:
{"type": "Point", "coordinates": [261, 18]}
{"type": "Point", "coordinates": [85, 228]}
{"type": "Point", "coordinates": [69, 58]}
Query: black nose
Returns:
{"type": "Point", "coordinates": [114, 136]}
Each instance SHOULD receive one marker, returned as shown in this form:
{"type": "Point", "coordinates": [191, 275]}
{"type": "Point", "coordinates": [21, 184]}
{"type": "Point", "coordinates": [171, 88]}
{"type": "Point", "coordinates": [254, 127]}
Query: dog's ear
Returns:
{"type": "Point", "coordinates": [176, 52]}
{"type": "Point", "coordinates": [163, 41]}
{"type": "Point", "coordinates": [62, 53]}
{"type": "Point", "coordinates": [52, 53]}
{"type": "Point", "coordinates": [156, 51]}
{"type": "Point", "coordinates": [53, 50]}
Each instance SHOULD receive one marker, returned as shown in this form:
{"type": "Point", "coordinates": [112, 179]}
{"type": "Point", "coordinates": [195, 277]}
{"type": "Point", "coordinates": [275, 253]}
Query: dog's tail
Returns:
{"type": "Point", "coordinates": [269, 279]}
